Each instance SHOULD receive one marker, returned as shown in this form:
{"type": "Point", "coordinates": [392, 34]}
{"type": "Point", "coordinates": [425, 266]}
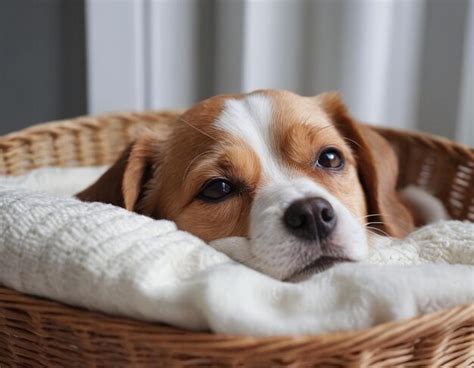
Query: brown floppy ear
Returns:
{"type": "Point", "coordinates": [377, 166]}
{"type": "Point", "coordinates": [123, 183]}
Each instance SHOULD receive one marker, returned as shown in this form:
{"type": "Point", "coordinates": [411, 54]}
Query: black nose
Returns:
{"type": "Point", "coordinates": [310, 218]}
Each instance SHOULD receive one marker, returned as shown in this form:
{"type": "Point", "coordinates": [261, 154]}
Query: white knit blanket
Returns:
{"type": "Point", "coordinates": [105, 258]}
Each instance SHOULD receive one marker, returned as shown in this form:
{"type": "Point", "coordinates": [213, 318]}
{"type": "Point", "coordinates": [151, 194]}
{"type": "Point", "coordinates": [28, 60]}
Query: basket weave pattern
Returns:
{"type": "Point", "coordinates": [40, 333]}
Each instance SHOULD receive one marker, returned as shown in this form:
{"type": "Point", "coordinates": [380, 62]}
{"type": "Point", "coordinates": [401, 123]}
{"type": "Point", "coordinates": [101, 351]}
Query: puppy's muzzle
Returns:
{"type": "Point", "coordinates": [310, 218]}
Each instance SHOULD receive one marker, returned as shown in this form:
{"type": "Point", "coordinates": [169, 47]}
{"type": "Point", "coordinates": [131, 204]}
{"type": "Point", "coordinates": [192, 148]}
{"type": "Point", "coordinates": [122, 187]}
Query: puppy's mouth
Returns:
{"type": "Point", "coordinates": [318, 265]}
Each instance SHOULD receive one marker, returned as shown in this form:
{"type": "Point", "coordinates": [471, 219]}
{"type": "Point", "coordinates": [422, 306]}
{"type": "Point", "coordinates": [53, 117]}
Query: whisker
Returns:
{"type": "Point", "coordinates": [372, 229]}
{"type": "Point", "coordinates": [372, 236]}
{"type": "Point", "coordinates": [197, 129]}
{"type": "Point", "coordinates": [374, 223]}
{"type": "Point", "coordinates": [386, 215]}
{"type": "Point", "coordinates": [352, 141]}
{"type": "Point", "coordinates": [372, 215]}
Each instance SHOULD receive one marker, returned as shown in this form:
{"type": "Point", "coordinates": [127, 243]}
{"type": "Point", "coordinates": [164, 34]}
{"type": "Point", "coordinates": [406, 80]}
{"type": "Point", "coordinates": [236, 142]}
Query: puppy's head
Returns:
{"type": "Point", "coordinates": [295, 175]}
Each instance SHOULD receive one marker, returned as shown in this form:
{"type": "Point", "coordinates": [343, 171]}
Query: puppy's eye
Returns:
{"type": "Point", "coordinates": [216, 190]}
{"type": "Point", "coordinates": [330, 158]}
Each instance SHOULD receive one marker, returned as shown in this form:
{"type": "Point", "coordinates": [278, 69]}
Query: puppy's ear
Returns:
{"type": "Point", "coordinates": [124, 182]}
{"type": "Point", "coordinates": [377, 166]}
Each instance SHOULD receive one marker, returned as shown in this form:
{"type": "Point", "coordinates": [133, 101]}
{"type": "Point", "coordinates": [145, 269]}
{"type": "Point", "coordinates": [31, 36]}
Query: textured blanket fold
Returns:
{"type": "Point", "coordinates": [105, 258]}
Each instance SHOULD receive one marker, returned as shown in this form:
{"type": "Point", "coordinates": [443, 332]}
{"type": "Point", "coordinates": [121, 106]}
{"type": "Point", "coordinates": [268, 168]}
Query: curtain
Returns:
{"type": "Point", "coordinates": [398, 63]}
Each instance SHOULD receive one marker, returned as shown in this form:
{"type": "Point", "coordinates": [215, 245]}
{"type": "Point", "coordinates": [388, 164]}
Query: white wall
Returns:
{"type": "Point", "coordinates": [401, 63]}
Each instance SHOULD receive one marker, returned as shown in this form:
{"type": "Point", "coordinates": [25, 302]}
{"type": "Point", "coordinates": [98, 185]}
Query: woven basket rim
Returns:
{"type": "Point", "coordinates": [395, 327]}
{"type": "Point", "coordinates": [71, 123]}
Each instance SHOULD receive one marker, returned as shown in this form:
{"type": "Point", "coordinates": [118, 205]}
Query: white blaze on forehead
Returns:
{"type": "Point", "coordinates": [250, 119]}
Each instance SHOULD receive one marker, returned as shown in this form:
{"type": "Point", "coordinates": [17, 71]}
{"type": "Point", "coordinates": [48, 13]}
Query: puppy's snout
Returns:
{"type": "Point", "coordinates": [310, 218]}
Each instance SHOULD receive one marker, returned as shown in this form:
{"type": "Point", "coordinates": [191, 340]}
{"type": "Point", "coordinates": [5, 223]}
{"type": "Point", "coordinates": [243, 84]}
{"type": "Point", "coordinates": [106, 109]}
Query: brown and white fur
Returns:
{"type": "Point", "coordinates": [266, 145]}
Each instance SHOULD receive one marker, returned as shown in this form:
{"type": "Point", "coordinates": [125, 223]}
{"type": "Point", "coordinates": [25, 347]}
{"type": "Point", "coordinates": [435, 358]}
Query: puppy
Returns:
{"type": "Point", "coordinates": [297, 176]}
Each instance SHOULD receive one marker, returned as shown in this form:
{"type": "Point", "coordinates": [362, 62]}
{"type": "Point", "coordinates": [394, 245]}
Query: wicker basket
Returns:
{"type": "Point", "coordinates": [41, 333]}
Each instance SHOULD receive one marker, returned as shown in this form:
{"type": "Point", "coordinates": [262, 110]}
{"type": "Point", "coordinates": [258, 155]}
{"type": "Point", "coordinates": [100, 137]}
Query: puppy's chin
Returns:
{"type": "Point", "coordinates": [242, 250]}
{"type": "Point", "coordinates": [325, 262]}
{"type": "Point", "coordinates": [319, 265]}
{"type": "Point", "coordinates": [295, 267]}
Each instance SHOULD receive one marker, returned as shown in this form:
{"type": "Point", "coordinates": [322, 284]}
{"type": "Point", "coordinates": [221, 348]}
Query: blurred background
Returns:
{"type": "Point", "coordinates": [399, 63]}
